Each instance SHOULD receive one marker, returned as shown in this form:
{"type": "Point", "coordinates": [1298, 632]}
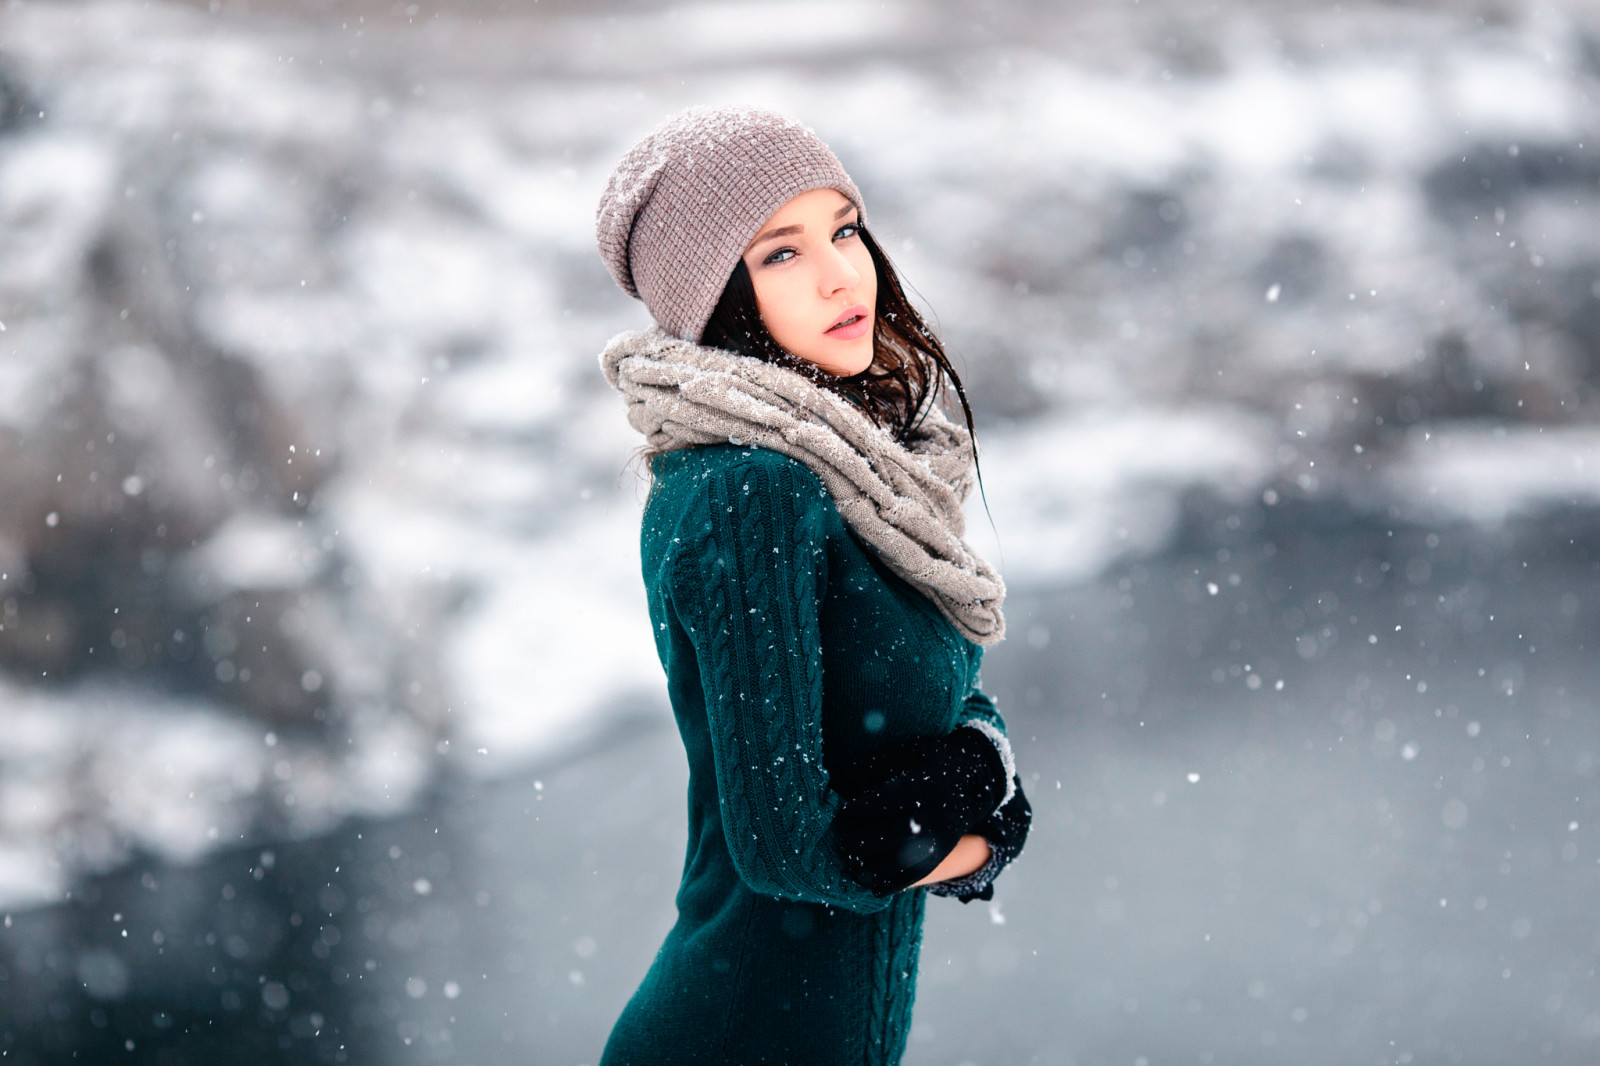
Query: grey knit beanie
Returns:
{"type": "Point", "coordinates": [683, 203]}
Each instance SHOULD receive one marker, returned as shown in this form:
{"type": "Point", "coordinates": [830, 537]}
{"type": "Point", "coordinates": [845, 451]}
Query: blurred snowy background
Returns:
{"type": "Point", "coordinates": [316, 520]}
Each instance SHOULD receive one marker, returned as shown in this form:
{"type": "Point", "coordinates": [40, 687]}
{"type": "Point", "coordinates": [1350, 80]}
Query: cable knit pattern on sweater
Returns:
{"type": "Point", "coordinates": [789, 648]}
{"type": "Point", "coordinates": [763, 662]}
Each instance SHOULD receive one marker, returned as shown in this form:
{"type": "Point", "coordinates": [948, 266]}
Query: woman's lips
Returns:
{"type": "Point", "coordinates": [856, 328]}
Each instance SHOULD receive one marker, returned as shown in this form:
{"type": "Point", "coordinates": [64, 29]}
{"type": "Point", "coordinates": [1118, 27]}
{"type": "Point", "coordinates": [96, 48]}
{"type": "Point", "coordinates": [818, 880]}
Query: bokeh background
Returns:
{"type": "Point", "coordinates": [330, 724]}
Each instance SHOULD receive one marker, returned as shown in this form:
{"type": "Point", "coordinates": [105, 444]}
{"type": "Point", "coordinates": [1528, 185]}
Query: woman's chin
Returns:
{"type": "Point", "coordinates": [838, 358]}
{"type": "Point", "coordinates": [847, 371]}
{"type": "Point", "coordinates": [844, 365]}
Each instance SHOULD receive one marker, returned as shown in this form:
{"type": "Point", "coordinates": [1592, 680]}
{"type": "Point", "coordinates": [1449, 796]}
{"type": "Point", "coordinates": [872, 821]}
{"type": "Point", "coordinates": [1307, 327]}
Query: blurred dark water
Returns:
{"type": "Point", "coordinates": [1390, 857]}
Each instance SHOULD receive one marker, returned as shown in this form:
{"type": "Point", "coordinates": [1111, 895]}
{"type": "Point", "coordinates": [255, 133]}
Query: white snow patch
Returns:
{"type": "Point", "coordinates": [563, 631]}
{"type": "Point", "coordinates": [1486, 474]}
{"type": "Point", "coordinates": [93, 771]}
{"type": "Point", "coordinates": [54, 189]}
{"type": "Point", "coordinates": [251, 549]}
{"type": "Point", "coordinates": [509, 394]}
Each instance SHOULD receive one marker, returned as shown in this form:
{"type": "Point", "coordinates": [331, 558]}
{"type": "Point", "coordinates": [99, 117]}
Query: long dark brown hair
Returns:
{"type": "Point", "coordinates": [910, 369]}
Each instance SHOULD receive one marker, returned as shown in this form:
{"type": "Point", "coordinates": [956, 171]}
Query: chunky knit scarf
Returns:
{"type": "Point", "coordinates": [904, 500]}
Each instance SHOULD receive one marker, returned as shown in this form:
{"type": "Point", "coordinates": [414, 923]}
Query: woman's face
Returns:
{"type": "Point", "coordinates": [816, 287]}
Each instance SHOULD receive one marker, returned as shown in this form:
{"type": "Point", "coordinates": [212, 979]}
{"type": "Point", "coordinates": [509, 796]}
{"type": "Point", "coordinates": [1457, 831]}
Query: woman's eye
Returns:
{"type": "Point", "coordinates": [849, 229]}
{"type": "Point", "coordinates": [773, 258]}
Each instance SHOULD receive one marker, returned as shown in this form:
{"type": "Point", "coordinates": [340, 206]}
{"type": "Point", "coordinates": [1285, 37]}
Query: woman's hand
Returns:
{"type": "Point", "coordinates": [970, 853]}
{"type": "Point", "coordinates": [1005, 831]}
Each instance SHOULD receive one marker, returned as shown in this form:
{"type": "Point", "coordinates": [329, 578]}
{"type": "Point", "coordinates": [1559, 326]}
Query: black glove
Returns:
{"type": "Point", "coordinates": [891, 834]}
{"type": "Point", "coordinates": [1006, 830]}
{"type": "Point", "coordinates": [856, 777]}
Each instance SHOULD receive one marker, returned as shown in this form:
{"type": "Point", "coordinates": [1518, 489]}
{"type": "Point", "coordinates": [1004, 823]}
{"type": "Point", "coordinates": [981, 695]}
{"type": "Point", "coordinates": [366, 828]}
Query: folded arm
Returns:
{"type": "Point", "coordinates": [747, 581]}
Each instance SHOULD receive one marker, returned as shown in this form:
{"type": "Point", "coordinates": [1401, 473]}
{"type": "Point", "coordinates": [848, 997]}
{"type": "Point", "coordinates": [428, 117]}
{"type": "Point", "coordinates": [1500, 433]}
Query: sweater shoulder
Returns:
{"type": "Point", "coordinates": [683, 477]}
{"type": "Point", "coordinates": [731, 503]}
{"type": "Point", "coordinates": [713, 458]}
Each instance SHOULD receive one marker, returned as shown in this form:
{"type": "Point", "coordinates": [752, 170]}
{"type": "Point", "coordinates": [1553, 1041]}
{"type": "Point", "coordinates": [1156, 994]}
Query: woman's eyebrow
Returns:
{"type": "Point", "coordinates": [784, 231]}
{"type": "Point", "coordinates": [781, 231]}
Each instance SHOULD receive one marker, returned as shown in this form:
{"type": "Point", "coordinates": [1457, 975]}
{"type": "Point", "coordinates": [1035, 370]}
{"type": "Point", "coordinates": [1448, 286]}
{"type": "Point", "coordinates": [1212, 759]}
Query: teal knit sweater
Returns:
{"type": "Point", "coordinates": [788, 647]}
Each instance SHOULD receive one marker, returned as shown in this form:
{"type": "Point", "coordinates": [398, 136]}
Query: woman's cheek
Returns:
{"type": "Point", "coordinates": [778, 314]}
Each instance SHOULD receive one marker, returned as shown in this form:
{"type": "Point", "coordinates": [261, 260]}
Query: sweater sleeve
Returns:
{"type": "Point", "coordinates": [747, 581]}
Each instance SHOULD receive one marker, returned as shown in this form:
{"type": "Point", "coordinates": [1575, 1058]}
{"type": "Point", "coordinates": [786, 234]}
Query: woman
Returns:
{"type": "Point", "coordinates": [819, 618]}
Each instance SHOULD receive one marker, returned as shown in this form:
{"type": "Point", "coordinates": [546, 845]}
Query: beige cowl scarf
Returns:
{"type": "Point", "coordinates": [904, 500]}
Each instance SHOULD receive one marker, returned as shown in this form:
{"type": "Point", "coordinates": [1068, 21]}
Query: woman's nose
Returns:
{"type": "Point", "coordinates": [838, 272]}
